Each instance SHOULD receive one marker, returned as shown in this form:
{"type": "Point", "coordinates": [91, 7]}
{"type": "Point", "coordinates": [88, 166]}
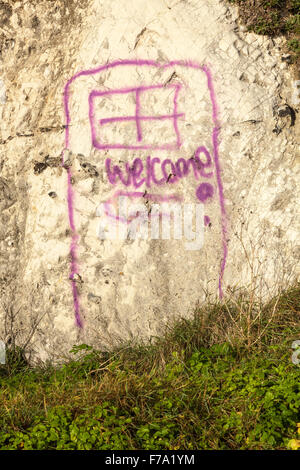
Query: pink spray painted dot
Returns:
{"type": "Point", "coordinates": [204, 192]}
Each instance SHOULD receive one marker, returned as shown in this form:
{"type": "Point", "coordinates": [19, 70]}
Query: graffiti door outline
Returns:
{"type": "Point", "coordinates": [138, 119]}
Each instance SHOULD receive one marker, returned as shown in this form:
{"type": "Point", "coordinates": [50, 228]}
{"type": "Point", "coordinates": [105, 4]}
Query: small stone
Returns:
{"type": "Point", "coordinates": [90, 169]}
{"type": "Point", "coordinates": [52, 162]}
{"type": "Point", "coordinates": [245, 50]}
{"type": "Point", "coordinates": [52, 194]}
{"type": "Point", "coordinates": [67, 164]}
{"type": "Point", "coordinates": [39, 167]}
{"type": "Point", "coordinates": [287, 58]}
{"type": "Point", "coordinates": [75, 278]}
{"type": "Point", "coordinates": [256, 54]}
{"type": "Point", "coordinates": [94, 298]}
{"type": "Point", "coordinates": [284, 110]}
{"type": "Point", "coordinates": [283, 66]}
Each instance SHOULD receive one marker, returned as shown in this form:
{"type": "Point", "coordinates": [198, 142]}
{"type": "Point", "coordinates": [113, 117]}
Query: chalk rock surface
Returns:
{"type": "Point", "coordinates": [154, 105]}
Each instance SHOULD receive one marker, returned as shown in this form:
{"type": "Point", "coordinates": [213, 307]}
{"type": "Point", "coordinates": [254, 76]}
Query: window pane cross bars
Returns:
{"type": "Point", "coordinates": [138, 118]}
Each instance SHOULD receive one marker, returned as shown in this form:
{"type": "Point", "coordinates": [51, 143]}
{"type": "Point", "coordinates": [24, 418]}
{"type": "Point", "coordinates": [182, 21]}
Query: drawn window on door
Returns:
{"type": "Point", "coordinates": [113, 128]}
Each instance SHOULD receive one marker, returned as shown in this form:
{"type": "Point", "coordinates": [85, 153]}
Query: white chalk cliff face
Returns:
{"type": "Point", "coordinates": [157, 102]}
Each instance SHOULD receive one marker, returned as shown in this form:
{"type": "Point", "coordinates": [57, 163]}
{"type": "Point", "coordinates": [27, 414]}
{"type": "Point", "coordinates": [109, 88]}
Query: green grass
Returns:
{"type": "Point", "coordinates": [294, 45]}
{"type": "Point", "coordinates": [221, 380]}
{"type": "Point", "coordinates": [273, 18]}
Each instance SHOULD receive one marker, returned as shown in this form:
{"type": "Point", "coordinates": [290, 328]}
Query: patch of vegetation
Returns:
{"type": "Point", "coordinates": [294, 45]}
{"type": "Point", "coordinates": [273, 18]}
{"type": "Point", "coordinates": [221, 380]}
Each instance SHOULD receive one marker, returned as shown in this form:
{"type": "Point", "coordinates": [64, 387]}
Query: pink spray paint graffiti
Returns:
{"type": "Point", "coordinates": [180, 169]}
{"type": "Point", "coordinates": [140, 172]}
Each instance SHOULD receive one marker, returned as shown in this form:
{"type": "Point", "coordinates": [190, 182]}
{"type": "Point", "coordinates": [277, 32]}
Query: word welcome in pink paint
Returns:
{"type": "Point", "coordinates": [139, 173]}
